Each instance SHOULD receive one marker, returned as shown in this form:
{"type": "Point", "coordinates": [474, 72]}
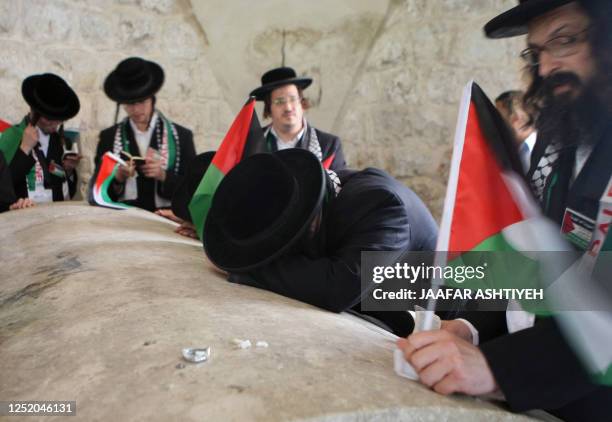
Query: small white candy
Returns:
{"type": "Point", "coordinates": [261, 343]}
{"type": "Point", "coordinates": [242, 344]}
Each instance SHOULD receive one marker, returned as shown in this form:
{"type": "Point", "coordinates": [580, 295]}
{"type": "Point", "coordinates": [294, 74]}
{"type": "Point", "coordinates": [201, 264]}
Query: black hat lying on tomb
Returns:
{"type": "Point", "coordinates": [50, 95]}
{"type": "Point", "coordinates": [276, 78]}
{"type": "Point", "coordinates": [193, 176]}
{"type": "Point", "coordinates": [514, 22]}
{"type": "Point", "coordinates": [134, 80]}
{"type": "Point", "coordinates": [262, 207]}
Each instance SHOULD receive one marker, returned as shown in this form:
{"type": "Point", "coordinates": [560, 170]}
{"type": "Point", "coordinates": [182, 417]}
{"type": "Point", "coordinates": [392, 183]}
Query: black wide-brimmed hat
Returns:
{"type": "Point", "coordinates": [133, 80]}
{"type": "Point", "coordinates": [262, 208]}
{"type": "Point", "coordinates": [187, 187]}
{"type": "Point", "coordinates": [514, 22]}
{"type": "Point", "coordinates": [50, 95]}
{"type": "Point", "coordinates": [276, 78]}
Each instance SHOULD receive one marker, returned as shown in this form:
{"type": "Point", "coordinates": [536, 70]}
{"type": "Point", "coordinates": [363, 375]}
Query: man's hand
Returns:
{"type": "Point", "coordinates": [123, 172]}
{"type": "Point", "coordinates": [70, 162]}
{"type": "Point", "coordinates": [153, 166]}
{"type": "Point", "coordinates": [447, 363]}
{"type": "Point", "coordinates": [167, 213]}
{"type": "Point", "coordinates": [29, 139]}
{"type": "Point", "coordinates": [458, 328]}
{"type": "Point", "coordinates": [22, 203]}
{"type": "Point", "coordinates": [185, 228]}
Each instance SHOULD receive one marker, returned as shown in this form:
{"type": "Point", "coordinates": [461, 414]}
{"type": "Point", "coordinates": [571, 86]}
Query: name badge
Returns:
{"type": "Point", "coordinates": [577, 228]}
{"type": "Point", "coordinates": [41, 195]}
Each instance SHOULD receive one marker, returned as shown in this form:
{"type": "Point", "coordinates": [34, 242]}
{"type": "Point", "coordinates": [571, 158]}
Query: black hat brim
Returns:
{"type": "Point", "coordinates": [184, 192]}
{"type": "Point", "coordinates": [115, 92]}
{"type": "Point", "coordinates": [67, 110]}
{"type": "Point", "coordinates": [260, 93]}
{"type": "Point", "coordinates": [235, 256]}
{"type": "Point", "coordinates": [514, 22]}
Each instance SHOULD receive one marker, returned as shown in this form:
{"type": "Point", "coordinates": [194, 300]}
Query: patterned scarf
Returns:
{"type": "Point", "coordinates": [167, 142]}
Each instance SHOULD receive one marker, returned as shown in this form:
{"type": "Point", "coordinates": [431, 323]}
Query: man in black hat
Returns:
{"type": "Point", "coordinates": [162, 148]}
{"type": "Point", "coordinates": [278, 221]}
{"type": "Point", "coordinates": [282, 93]}
{"type": "Point", "coordinates": [527, 360]}
{"type": "Point", "coordinates": [34, 148]}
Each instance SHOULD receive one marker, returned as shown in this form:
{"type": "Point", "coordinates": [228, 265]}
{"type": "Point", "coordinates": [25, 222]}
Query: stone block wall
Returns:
{"type": "Point", "coordinates": [388, 73]}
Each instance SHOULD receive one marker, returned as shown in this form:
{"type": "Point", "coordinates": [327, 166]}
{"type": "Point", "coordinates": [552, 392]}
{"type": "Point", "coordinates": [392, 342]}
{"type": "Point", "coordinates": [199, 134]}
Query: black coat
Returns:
{"type": "Point", "coordinates": [373, 212]}
{"type": "Point", "coordinates": [146, 185]}
{"type": "Point", "coordinates": [535, 367]}
{"type": "Point", "coordinates": [7, 195]}
{"type": "Point", "coordinates": [331, 148]}
{"type": "Point", "coordinates": [22, 164]}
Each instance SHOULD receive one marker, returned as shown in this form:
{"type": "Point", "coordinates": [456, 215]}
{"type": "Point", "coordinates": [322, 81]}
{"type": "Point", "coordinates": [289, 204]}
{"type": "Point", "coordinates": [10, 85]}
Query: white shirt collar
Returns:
{"type": "Point", "coordinates": [144, 138]}
{"type": "Point", "coordinates": [43, 139]}
{"type": "Point", "coordinates": [531, 140]}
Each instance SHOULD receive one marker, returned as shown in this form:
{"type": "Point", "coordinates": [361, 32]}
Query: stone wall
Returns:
{"type": "Point", "coordinates": [388, 74]}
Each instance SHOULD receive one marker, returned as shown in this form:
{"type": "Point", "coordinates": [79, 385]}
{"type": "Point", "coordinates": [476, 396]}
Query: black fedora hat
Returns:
{"type": "Point", "coordinates": [134, 79]}
{"type": "Point", "coordinates": [276, 78]}
{"type": "Point", "coordinates": [187, 187]}
{"type": "Point", "coordinates": [262, 208]}
{"type": "Point", "coordinates": [50, 95]}
{"type": "Point", "coordinates": [514, 22]}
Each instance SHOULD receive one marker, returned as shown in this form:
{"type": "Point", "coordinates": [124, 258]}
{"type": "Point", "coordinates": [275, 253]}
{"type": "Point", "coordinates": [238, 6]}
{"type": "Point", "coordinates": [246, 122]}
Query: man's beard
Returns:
{"type": "Point", "coordinates": [567, 119]}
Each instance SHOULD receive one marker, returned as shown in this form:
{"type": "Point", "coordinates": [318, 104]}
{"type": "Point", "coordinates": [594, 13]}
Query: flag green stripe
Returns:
{"type": "Point", "coordinates": [105, 184]}
{"type": "Point", "coordinates": [605, 378]}
{"type": "Point", "coordinates": [10, 140]}
{"type": "Point", "coordinates": [202, 198]}
{"type": "Point", "coordinates": [505, 268]}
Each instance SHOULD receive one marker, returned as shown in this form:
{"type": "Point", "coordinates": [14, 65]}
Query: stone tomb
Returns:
{"type": "Point", "coordinates": [96, 305]}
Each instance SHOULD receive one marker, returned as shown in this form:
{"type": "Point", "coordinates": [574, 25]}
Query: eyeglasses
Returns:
{"type": "Point", "coordinates": [562, 46]}
{"type": "Point", "coordinates": [282, 100]}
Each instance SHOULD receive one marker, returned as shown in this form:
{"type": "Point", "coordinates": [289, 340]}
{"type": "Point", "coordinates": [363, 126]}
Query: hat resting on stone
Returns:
{"type": "Point", "coordinates": [514, 21]}
{"type": "Point", "coordinates": [276, 78]}
{"type": "Point", "coordinates": [193, 176]}
{"type": "Point", "coordinates": [134, 79]}
{"type": "Point", "coordinates": [50, 95]}
{"type": "Point", "coordinates": [263, 207]}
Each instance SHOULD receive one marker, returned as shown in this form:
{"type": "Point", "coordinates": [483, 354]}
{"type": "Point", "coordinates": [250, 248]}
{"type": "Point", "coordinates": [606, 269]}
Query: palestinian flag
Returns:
{"type": "Point", "coordinates": [243, 138]}
{"type": "Point", "coordinates": [57, 170]}
{"type": "Point", "coordinates": [4, 125]}
{"type": "Point", "coordinates": [489, 216]}
{"type": "Point", "coordinates": [101, 180]}
{"type": "Point", "coordinates": [10, 139]}
{"type": "Point", "coordinates": [488, 208]}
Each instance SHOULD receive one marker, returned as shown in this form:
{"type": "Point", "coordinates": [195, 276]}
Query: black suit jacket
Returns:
{"type": "Point", "coordinates": [536, 368]}
{"type": "Point", "coordinates": [22, 164]}
{"type": "Point", "coordinates": [373, 212]}
{"type": "Point", "coordinates": [7, 195]}
{"type": "Point", "coordinates": [146, 185]}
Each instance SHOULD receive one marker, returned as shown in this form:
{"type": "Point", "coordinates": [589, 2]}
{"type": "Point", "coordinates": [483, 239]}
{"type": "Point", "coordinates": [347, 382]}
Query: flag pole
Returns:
{"type": "Point", "coordinates": [447, 215]}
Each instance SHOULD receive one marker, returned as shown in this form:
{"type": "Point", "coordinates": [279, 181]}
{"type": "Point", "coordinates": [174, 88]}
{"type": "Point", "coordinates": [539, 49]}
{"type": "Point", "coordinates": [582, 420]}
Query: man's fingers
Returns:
{"type": "Point", "coordinates": [435, 372]}
{"type": "Point", "coordinates": [423, 338]}
{"type": "Point", "coordinates": [427, 355]}
{"type": "Point", "coordinates": [448, 385]}
{"type": "Point", "coordinates": [167, 213]}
